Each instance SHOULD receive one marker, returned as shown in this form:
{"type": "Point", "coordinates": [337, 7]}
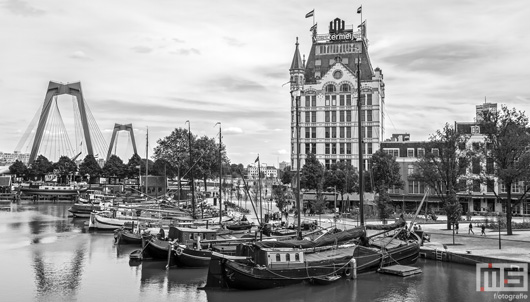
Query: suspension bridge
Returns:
{"type": "Point", "coordinates": [49, 135]}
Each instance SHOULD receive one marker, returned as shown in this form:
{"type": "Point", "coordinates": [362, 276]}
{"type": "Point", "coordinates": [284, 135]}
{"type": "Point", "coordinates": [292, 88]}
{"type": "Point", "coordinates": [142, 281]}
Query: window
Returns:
{"type": "Point", "coordinates": [307, 116]}
{"type": "Point", "coordinates": [392, 151]}
{"type": "Point", "coordinates": [333, 132]}
{"type": "Point", "coordinates": [341, 100]}
{"type": "Point", "coordinates": [326, 114]}
{"type": "Point", "coordinates": [341, 132]}
{"type": "Point", "coordinates": [333, 148]}
{"type": "Point", "coordinates": [330, 88]}
{"type": "Point", "coordinates": [415, 187]}
{"type": "Point", "coordinates": [307, 148]}
{"type": "Point", "coordinates": [318, 62]}
{"type": "Point", "coordinates": [475, 129]}
{"type": "Point", "coordinates": [421, 152]}
{"type": "Point", "coordinates": [326, 129]}
{"type": "Point", "coordinates": [314, 148]}
{"type": "Point", "coordinates": [327, 100]}
{"type": "Point", "coordinates": [313, 116]}
{"type": "Point", "coordinates": [368, 115]}
{"type": "Point", "coordinates": [318, 75]}
{"type": "Point", "coordinates": [476, 185]}
{"type": "Point", "coordinates": [341, 148]}
{"type": "Point", "coordinates": [370, 149]}
{"type": "Point", "coordinates": [369, 132]}
{"type": "Point", "coordinates": [341, 116]}
{"type": "Point", "coordinates": [307, 100]}
{"type": "Point", "coordinates": [363, 97]}
{"type": "Point", "coordinates": [489, 165]}
{"type": "Point", "coordinates": [348, 148]}
{"type": "Point", "coordinates": [490, 185]}
{"type": "Point", "coordinates": [326, 149]}
{"type": "Point", "coordinates": [369, 99]}
{"type": "Point", "coordinates": [348, 132]}
{"type": "Point", "coordinates": [333, 116]}
{"type": "Point", "coordinates": [278, 258]}
{"type": "Point", "coordinates": [297, 257]}
{"type": "Point", "coordinates": [314, 100]}
{"type": "Point", "coordinates": [313, 132]}
{"type": "Point", "coordinates": [348, 100]}
{"type": "Point", "coordinates": [435, 151]}
{"type": "Point", "coordinates": [345, 88]}
{"type": "Point", "coordinates": [287, 257]}
{"type": "Point", "coordinates": [348, 115]}
{"type": "Point", "coordinates": [333, 100]}
{"type": "Point", "coordinates": [410, 152]}
{"type": "Point", "coordinates": [307, 135]}
{"type": "Point", "coordinates": [476, 165]}
{"type": "Point", "coordinates": [410, 170]}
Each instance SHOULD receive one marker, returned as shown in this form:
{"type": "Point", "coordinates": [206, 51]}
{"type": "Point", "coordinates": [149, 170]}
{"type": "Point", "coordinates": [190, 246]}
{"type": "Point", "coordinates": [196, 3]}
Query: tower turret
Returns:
{"type": "Point", "coordinates": [297, 70]}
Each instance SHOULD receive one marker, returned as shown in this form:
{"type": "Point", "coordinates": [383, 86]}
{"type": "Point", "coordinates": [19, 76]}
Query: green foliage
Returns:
{"type": "Point", "coordinates": [133, 166]}
{"type": "Point", "coordinates": [312, 174]}
{"type": "Point", "coordinates": [114, 167]}
{"type": "Point", "coordinates": [40, 167]}
{"type": "Point", "coordinates": [90, 167]}
{"type": "Point", "coordinates": [441, 172]}
{"type": "Point", "coordinates": [508, 137]}
{"type": "Point", "coordinates": [18, 168]}
{"type": "Point", "coordinates": [286, 176]}
{"type": "Point", "coordinates": [281, 195]}
{"type": "Point", "coordinates": [385, 175]}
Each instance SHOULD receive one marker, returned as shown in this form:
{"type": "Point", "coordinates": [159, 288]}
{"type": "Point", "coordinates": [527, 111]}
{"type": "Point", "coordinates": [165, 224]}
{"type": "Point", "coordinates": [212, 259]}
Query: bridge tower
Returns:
{"type": "Point", "coordinates": [118, 127]}
{"type": "Point", "coordinates": [55, 89]}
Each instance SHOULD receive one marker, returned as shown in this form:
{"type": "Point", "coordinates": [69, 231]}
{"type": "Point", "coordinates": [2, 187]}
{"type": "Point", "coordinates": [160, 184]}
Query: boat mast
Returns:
{"type": "Point", "coordinates": [220, 173]}
{"type": "Point", "coordinates": [146, 159]}
{"type": "Point", "coordinates": [361, 166]}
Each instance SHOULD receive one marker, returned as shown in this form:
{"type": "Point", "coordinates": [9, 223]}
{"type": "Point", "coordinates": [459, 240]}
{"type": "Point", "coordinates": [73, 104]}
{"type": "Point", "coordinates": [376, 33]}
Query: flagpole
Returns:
{"type": "Point", "coordinates": [313, 16]}
{"type": "Point", "coordinates": [146, 159]}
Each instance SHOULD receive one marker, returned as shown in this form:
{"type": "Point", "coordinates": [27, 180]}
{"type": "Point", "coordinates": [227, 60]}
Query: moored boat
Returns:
{"type": "Point", "coordinates": [269, 264]}
{"type": "Point", "coordinates": [56, 190]}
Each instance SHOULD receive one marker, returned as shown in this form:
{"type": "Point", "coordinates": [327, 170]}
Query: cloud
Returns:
{"type": "Point", "coordinates": [235, 84]}
{"type": "Point", "coordinates": [233, 42]}
{"type": "Point", "coordinates": [186, 51]}
{"type": "Point", "coordinates": [232, 131]}
{"type": "Point", "coordinates": [177, 40]}
{"type": "Point", "coordinates": [142, 49]}
{"type": "Point", "coordinates": [22, 8]}
{"type": "Point", "coordinates": [281, 152]}
{"type": "Point", "coordinates": [80, 55]}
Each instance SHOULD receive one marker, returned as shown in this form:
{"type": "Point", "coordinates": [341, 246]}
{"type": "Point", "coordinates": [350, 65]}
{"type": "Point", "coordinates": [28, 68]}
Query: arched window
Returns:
{"type": "Point", "coordinates": [278, 259]}
{"type": "Point", "coordinates": [345, 88]}
{"type": "Point", "coordinates": [297, 257]}
{"type": "Point", "coordinates": [288, 257]}
{"type": "Point", "coordinates": [330, 88]}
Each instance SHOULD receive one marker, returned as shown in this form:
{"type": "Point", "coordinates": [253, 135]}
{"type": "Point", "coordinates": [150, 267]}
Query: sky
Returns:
{"type": "Point", "coordinates": [158, 63]}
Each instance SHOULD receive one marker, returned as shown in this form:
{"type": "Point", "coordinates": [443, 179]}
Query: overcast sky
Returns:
{"type": "Point", "coordinates": [159, 63]}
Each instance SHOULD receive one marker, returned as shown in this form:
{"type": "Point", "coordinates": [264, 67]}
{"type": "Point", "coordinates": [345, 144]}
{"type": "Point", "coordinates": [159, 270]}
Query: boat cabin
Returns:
{"type": "Point", "coordinates": [281, 258]}
{"type": "Point", "coordinates": [191, 236]}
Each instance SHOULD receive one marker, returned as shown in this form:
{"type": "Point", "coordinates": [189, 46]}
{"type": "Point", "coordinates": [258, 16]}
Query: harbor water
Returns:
{"type": "Point", "coordinates": [48, 256]}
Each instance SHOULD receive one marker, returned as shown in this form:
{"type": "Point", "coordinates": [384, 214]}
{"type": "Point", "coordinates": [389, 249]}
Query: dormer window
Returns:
{"type": "Point", "coordinates": [345, 88]}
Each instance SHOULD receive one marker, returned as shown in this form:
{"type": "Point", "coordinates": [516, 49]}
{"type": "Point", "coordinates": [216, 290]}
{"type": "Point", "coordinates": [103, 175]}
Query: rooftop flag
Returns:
{"type": "Point", "coordinates": [257, 159]}
{"type": "Point", "coordinates": [360, 9]}
{"type": "Point", "coordinates": [310, 14]}
{"type": "Point", "coordinates": [314, 27]}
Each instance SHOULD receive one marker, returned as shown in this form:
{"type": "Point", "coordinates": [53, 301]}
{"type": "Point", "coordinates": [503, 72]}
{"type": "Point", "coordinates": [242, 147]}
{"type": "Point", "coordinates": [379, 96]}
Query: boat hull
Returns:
{"type": "Point", "coordinates": [57, 191]}
{"type": "Point", "coordinates": [185, 257]}
{"type": "Point", "coordinates": [240, 274]}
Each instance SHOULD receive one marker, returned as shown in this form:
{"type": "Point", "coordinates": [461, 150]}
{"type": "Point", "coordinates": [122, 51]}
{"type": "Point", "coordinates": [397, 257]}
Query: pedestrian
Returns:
{"type": "Point", "coordinates": [483, 228]}
{"type": "Point", "coordinates": [456, 227]}
{"type": "Point", "coordinates": [470, 229]}
{"type": "Point", "coordinates": [419, 227]}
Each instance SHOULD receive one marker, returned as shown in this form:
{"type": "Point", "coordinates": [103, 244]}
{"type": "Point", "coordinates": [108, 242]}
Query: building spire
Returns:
{"type": "Point", "coordinates": [297, 60]}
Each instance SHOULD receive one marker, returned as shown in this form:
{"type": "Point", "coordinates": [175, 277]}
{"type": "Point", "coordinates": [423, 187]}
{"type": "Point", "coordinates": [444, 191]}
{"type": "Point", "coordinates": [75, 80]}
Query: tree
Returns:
{"type": "Point", "coordinates": [281, 195]}
{"type": "Point", "coordinates": [114, 167]}
{"type": "Point", "coordinates": [65, 167]}
{"type": "Point", "coordinates": [134, 166]}
{"type": "Point", "coordinates": [18, 168]}
{"type": "Point", "coordinates": [287, 176]}
{"type": "Point", "coordinates": [441, 170]}
{"type": "Point", "coordinates": [163, 168]}
{"type": "Point", "coordinates": [90, 167]}
{"type": "Point", "coordinates": [385, 175]}
{"type": "Point", "coordinates": [312, 178]}
{"type": "Point", "coordinates": [40, 167]}
{"type": "Point", "coordinates": [342, 177]}
{"type": "Point", "coordinates": [508, 139]}
{"type": "Point", "coordinates": [208, 159]}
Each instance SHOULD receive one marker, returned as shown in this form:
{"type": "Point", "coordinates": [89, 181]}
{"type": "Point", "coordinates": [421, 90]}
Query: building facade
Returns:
{"type": "Point", "coordinates": [324, 92]}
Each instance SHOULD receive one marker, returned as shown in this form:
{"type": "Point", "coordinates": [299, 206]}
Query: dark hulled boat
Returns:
{"type": "Point", "coordinates": [270, 264]}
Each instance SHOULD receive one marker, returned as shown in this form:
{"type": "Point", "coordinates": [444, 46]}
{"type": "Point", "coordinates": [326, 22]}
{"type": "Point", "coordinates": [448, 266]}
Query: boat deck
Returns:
{"type": "Point", "coordinates": [329, 254]}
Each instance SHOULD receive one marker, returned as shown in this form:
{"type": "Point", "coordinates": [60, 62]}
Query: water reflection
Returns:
{"type": "Point", "coordinates": [69, 264]}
